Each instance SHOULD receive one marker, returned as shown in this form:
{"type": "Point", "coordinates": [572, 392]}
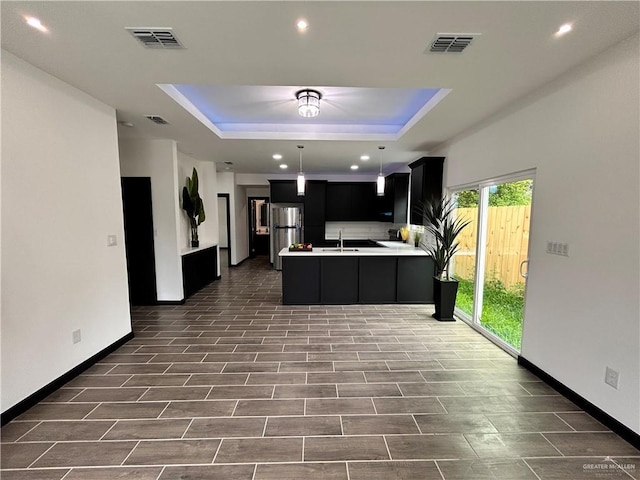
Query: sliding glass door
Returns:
{"type": "Point", "coordinates": [492, 291]}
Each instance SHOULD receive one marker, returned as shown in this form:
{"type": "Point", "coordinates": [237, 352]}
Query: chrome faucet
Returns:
{"type": "Point", "coordinates": [341, 244]}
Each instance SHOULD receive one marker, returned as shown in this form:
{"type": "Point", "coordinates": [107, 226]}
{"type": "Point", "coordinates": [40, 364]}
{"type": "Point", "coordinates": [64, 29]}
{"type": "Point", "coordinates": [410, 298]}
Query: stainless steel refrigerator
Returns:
{"type": "Point", "coordinates": [286, 228]}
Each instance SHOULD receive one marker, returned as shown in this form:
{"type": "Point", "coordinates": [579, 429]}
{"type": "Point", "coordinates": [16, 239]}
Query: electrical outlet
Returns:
{"type": "Point", "coordinates": [77, 336]}
{"type": "Point", "coordinates": [112, 240]}
{"type": "Point", "coordinates": [611, 377]}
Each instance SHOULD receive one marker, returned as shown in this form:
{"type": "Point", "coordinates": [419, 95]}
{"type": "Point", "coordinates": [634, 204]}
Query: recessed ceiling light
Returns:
{"type": "Point", "coordinates": [302, 25]}
{"type": "Point", "coordinates": [564, 29]}
{"type": "Point", "coordinates": [36, 23]}
{"type": "Point", "coordinates": [364, 158]}
{"type": "Point", "coordinates": [277, 156]}
{"type": "Point", "coordinates": [127, 124]}
{"type": "Point", "coordinates": [283, 166]}
{"type": "Point", "coordinates": [354, 167]}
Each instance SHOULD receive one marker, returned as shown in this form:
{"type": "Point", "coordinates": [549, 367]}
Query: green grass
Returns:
{"type": "Point", "coordinates": [501, 311]}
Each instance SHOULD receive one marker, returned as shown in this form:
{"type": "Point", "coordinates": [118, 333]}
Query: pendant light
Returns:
{"type": "Point", "coordinates": [300, 175]}
{"type": "Point", "coordinates": [380, 181]}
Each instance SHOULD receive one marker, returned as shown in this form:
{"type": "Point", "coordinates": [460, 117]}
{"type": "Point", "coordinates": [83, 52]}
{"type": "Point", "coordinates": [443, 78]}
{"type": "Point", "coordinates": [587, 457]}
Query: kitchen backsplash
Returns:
{"type": "Point", "coordinates": [358, 230]}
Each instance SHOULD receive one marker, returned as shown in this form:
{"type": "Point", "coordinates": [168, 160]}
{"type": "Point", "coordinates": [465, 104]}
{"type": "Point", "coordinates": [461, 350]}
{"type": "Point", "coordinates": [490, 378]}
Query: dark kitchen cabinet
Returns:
{"type": "Point", "coordinates": [363, 201]}
{"type": "Point", "coordinates": [338, 202]}
{"type": "Point", "coordinates": [347, 279]}
{"type": "Point", "coordinates": [426, 183]}
{"type": "Point", "coordinates": [415, 279]}
{"type": "Point", "coordinates": [284, 191]}
{"type": "Point", "coordinates": [300, 280]}
{"type": "Point", "coordinates": [339, 280]}
{"type": "Point", "coordinates": [378, 277]}
{"type": "Point", "coordinates": [351, 202]}
{"type": "Point", "coordinates": [393, 206]}
{"type": "Point", "coordinates": [315, 211]}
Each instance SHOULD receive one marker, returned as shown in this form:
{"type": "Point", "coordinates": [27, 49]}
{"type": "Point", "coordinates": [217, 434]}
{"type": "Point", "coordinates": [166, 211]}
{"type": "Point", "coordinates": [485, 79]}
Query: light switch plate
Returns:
{"type": "Point", "coordinates": [112, 240]}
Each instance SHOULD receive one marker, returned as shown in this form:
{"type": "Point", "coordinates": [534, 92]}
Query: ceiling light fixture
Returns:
{"type": "Point", "coordinates": [36, 23]}
{"type": "Point", "coordinates": [300, 181]}
{"type": "Point", "coordinates": [364, 158]}
{"type": "Point", "coordinates": [302, 25]}
{"type": "Point", "coordinates": [354, 167]}
{"type": "Point", "coordinates": [564, 29]}
{"type": "Point", "coordinates": [277, 156]}
{"type": "Point", "coordinates": [283, 166]}
{"type": "Point", "coordinates": [380, 180]}
{"type": "Point", "coordinates": [308, 103]}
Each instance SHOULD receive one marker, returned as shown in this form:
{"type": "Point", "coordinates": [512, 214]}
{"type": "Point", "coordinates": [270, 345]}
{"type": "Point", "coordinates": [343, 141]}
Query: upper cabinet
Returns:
{"type": "Point", "coordinates": [284, 191]}
{"type": "Point", "coordinates": [315, 211]}
{"type": "Point", "coordinates": [426, 183]}
{"type": "Point", "coordinates": [393, 206]}
{"type": "Point", "coordinates": [350, 201]}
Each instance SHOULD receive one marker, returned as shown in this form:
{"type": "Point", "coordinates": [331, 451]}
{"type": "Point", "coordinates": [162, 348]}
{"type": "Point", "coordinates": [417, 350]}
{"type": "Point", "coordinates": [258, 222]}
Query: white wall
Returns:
{"type": "Point", "coordinates": [258, 191]}
{"type": "Point", "coordinates": [61, 198]}
{"type": "Point", "coordinates": [157, 159]}
{"type": "Point", "coordinates": [241, 213]}
{"type": "Point", "coordinates": [581, 133]}
{"type": "Point", "coordinates": [207, 231]}
{"type": "Point", "coordinates": [226, 184]}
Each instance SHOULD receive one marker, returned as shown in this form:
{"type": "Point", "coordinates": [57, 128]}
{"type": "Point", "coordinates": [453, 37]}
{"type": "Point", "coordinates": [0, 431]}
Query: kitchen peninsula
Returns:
{"type": "Point", "coordinates": [396, 273]}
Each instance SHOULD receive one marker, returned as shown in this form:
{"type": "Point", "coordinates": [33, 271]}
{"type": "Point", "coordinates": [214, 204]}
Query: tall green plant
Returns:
{"type": "Point", "coordinates": [192, 204]}
{"type": "Point", "coordinates": [440, 219]}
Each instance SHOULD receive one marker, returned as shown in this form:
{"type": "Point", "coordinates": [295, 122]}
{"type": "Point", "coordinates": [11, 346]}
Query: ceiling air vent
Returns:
{"type": "Point", "coordinates": [451, 42]}
{"type": "Point", "coordinates": [155, 37]}
{"type": "Point", "coordinates": [157, 119]}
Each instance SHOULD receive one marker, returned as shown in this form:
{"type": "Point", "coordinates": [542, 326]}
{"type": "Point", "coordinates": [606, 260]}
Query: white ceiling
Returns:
{"type": "Point", "coordinates": [349, 45]}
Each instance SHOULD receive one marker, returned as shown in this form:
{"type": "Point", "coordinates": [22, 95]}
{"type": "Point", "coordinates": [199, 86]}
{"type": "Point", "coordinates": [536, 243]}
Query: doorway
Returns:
{"type": "Point", "coordinates": [258, 226]}
{"type": "Point", "coordinates": [224, 225]}
{"type": "Point", "coordinates": [491, 264]}
{"type": "Point", "coordinates": [138, 239]}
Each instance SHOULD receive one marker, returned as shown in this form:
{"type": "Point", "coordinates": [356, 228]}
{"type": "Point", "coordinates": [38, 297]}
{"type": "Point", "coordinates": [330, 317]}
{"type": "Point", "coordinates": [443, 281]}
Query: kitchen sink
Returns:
{"type": "Point", "coordinates": [339, 250]}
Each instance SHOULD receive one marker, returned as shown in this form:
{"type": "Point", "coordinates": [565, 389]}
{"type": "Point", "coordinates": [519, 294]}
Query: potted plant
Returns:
{"type": "Point", "coordinates": [440, 220]}
{"type": "Point", "coordinates": [194, 207]}
{"type": "Point", "coordinates": [417, 237]}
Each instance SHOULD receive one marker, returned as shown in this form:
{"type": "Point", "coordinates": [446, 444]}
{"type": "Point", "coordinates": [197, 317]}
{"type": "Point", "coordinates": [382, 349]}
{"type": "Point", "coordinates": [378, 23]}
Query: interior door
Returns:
{"type": "Point", "coordinates": [138, 238]}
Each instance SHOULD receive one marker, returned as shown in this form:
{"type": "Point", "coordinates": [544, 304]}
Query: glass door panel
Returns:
{"type": "Point", "coordinates": [463, 265]}
{"type": "Point", "coordinates": [506, 245]}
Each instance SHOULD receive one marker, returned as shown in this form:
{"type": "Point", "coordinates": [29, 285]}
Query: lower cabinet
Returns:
{"type": "Point", "coordinates": [415, 280]}
{"type": "Point", "coordinates": [378, 279]}
{"type": "Point", "coordinates": [199, 269]}
{"type": "Point", "coordinates": [300, 280]}
{"type": "Point", "coordinates": [348, 279]}
{"type": "Point", "coordinates": [339, 280]}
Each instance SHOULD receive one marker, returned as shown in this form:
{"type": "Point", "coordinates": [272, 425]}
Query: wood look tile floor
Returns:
{"type": "Point", "coordinates": [232, 385]}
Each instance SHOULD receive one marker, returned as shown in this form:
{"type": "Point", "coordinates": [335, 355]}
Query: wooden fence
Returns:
{"type": "Point", "coordinates": [507, 243]}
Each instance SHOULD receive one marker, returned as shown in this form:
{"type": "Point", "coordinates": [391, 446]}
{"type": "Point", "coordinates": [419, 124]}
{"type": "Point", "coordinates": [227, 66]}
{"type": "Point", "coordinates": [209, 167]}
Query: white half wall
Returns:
{"type": "Point", "coordinates": [582, 135]}
{"type": "Point", "coordinates": [158, 159]}
{"type": "Point", "coordinates": [61, 198]}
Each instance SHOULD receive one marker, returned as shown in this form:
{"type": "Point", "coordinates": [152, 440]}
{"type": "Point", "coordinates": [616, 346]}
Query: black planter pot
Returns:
{"type": "Point", "coordinates": [444, 293]}
{"type": "Point", "coordinates": [195, 243]}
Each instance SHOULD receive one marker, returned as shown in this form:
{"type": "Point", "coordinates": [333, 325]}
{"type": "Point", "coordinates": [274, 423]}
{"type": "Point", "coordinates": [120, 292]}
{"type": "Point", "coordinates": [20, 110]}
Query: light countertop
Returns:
{"type": "Point", "coordinates": [401, 250]}
{"type": "Point", "coordinates": [203, 246]}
